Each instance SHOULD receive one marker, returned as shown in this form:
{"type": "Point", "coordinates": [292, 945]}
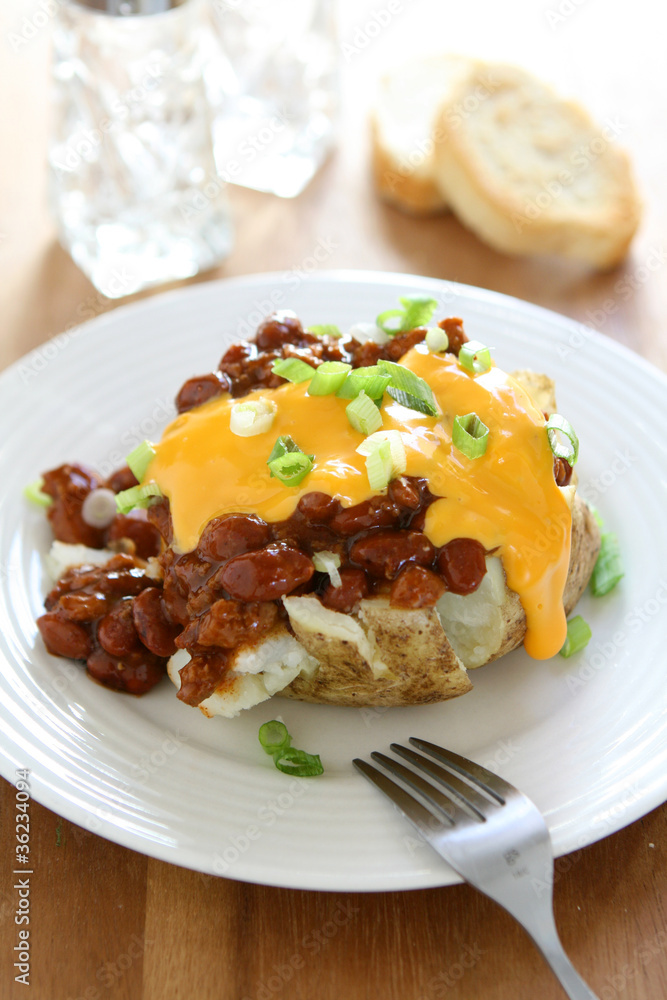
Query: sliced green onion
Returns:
{"type": "Point", "coordinates": [293, 369]}
{"type": "Point", "coordinates": [35, 494]}
{"type": "Point", "coordinates": [470, 435]}
{"type": "Point", "coordinates": [363, 414]}
{"type": "Point", "coordinates": [325, 330]}
{"type": "Point", "coordinates": [274, 736]}
{"type": "Point", "coordinates": [288, 463]}
{"type": "Point", "coordinates": [328, 378]}
{"type": "Point", "coordinates": [417, 311]}
{"type": "Point", "coordinates": [399, 461]}
{"type": "Point", "coordinates": [409, 389]}
{"type": "Point", "coordinates": [253, 417]}
{"type": "Point", "coordinates": [298, 762]}
{"type": "Point", "coordinates": [570, 451]}
{"type": "Point", "coordinates": [371, 379]}
{"type": "Point", "coordinates": [608, 568]}
{"type": "Point", "coordinates": [276, 741]}
{"type": "Point", "coordinates": [140, 458]}
{"type": "Point", "coordinates": [379, 466]}
{"type": "Point", "coordinates": [578, 636]}
{"type": "Point", "coordinates": [328, 562]}
{"type": "Point", "coordinates": [137, 496]}
{"type": "Point", "coordinates": [437, 340]}
{"type": "Point", "coordinates": [391, 321]}
{"type": "Point", "coordinates": [475, 357]}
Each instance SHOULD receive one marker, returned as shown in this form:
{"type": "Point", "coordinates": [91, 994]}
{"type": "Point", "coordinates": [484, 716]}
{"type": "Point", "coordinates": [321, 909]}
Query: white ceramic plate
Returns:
{"type": "Point", "coordinates": [586, 738]}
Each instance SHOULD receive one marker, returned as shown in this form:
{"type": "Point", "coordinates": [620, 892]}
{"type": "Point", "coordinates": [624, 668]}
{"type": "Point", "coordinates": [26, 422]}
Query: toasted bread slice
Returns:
{"type": "Point", "coordinates": [531, 173]}
{"type": "Point", "coordinates": [402, 127]}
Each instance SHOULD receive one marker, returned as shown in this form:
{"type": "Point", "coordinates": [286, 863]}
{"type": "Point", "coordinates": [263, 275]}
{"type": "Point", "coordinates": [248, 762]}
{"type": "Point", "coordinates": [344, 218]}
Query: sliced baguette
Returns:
{"type": "Point", "coordinates": [530, 173]}
{"type": "Point", "coordinates": [402, 131]}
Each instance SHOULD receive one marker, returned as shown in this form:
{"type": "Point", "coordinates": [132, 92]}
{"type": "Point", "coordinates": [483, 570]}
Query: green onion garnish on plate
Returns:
{"type": "Point", "coordinates": [608, 569]}
{"type": "Point", "coordinates": [436, 340]}
{"type": "Point", "coordinates": [276, 741]}
{"type": "Point", "coordinates": [470, 435]}
{"type": "Point", "coordinates": [578, 636]}
{"type": "Point", "coordinates": [325, 330]}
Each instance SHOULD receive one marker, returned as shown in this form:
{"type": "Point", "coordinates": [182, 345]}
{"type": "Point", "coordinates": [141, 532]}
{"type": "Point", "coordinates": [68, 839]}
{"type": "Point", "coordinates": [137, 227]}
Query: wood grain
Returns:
{"type": "Point", "coordinates": [107, 923]}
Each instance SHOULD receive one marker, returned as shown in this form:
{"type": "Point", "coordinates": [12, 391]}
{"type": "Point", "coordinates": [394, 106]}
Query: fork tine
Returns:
{"type": "Point", "coordinates": [487, 780]}
{"type": "Point", "coordinates": [441, 802]}
{"type": "Point", "coordinates": [419, 815]}
{"type": "Point", "coordinates": [453, 785]}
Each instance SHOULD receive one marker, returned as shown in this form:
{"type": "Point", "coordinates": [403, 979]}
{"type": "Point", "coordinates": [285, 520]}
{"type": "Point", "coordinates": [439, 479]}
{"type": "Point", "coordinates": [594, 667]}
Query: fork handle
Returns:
{"type": "Point", "coordinates": [549, 944]}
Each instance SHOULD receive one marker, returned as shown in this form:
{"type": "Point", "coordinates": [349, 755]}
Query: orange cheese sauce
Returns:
{"type": "Point", "coordinates": [507, 499]}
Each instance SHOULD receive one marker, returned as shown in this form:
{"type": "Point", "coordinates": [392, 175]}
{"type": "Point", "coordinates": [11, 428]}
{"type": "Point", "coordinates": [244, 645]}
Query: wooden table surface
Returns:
{"type": "Point", "coordinates": [109, 923]}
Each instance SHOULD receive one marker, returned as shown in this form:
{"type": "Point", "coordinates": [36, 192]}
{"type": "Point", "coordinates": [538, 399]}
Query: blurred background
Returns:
{"type": "Point", "coordinates": [606, 54]}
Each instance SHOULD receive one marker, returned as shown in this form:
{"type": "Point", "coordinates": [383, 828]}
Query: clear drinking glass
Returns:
{"type": "Point", "coordinates": [274, 88]}
{"type": "Point", "coordinates": [133, 183]}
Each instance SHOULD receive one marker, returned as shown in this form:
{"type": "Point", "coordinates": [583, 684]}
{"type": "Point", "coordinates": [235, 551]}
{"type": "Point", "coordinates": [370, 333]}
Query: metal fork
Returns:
{"type": "Point", "coordinates": [489, 832]}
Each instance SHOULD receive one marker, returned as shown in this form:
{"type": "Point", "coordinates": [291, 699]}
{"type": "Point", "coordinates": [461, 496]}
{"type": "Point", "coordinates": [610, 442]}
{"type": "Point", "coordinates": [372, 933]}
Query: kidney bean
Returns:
{"type": "Point", "coordinates": [376, 512]}
{"type": "Point", "coordinates": [462, 565]}
{"type": "Point", "coordinates": [69, 485]}
{"type": "Point", "coordinates": [64, 638]}
{"type": "Point", "coordinates": [201, 388]}
{"type": "Point", "coordinates": [453, 327]}
{"type": "Point", "coordinates": [116, 633]}
{"type": "Point", "coordinates": [123, 582]}
{"type": "Point", "coordinates": [416, 587]}
{"type": "Point", "coordinates": [226, 537]}
{"type": "Point", "coordinates": [82, 606]}
{"type": "Point", "coordinates": [122, 479]}
{"type": "Point", "coordinates": [383, 553]}
{"type": "Point", "coordinates": [562, 472]}
{"type": "Point", "coordinates": [318, 506]}
{"type": "Point", "coordinates": [135, 527]}
{"type": "Point", "coordinates": [230, 623]}
{"type": "Point", "coordinates": [265, 575]}
{"type": "Point", "coordinates": [235, 358]}
{"type": "Point", "coordinates": [405, 493]}
{"type": "Point", "coordinates": [153, 627]}
{"type": "Point", "coordinates": [353, 588]}
{"type": "Point", "coordinates": [282, 327]}
{"type": "Point", "coordinates": [201, 676]}
{"type": "Point", "coordinates": [159, 515]}
{"type": "Point", "coordinates": [136, 673]}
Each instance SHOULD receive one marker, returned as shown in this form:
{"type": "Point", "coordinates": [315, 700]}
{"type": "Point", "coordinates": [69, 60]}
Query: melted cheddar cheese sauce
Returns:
{"type": "Point", "coordinates": [508, 499]}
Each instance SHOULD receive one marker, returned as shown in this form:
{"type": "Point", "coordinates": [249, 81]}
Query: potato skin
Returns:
{"type": "Point", "coordinates": [412, 643]}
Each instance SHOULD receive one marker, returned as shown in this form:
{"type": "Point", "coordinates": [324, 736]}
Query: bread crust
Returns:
{"type": "Point", "coordinates": [530, 173]}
